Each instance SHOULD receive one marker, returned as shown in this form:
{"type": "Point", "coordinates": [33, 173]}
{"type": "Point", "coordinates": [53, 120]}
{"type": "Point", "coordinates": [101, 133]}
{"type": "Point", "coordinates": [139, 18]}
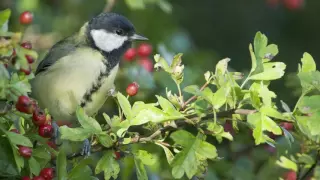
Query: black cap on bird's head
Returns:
{"type": "Point", "coordinates": [111, 31]}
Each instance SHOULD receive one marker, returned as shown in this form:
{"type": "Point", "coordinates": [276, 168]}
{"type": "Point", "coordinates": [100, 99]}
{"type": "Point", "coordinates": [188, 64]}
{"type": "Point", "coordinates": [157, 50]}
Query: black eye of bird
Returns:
{"type": "Point", "coordinates": [119, 32]}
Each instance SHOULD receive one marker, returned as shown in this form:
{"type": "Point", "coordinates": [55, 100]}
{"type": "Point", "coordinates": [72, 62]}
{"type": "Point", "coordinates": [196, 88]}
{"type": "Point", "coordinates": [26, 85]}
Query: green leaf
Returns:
{"type": "Point", "coordinates": [192, 89]}
{"type": "Point", "coordinates": [34, 166]}
{"type": "Point", "coordinates": [145, 157]}
{"type": "Point", "coordinates": [136, 4]}
{"type": "Point", "coordinates": [306, 159]}
{"type": "Point", "coordinates": [287, 164]}
{"type": "Point", "coordinates": [19, 159]}
{"type": "Point", "coordinates": [75, 134]}
{"type": "Point", "coordinates": [109, 165]}
{"type": "Point", "coordinates": [309, 104]}
{"type": "Point", "coordinates": [313, 123]}
{"type": "Point", "coordinates": [125, 105]}
{"type": "Point", "coordinates": [168, 153]}
{"type": "Point", "coordinates": [41, 153]}
{"type": "Point", "coordinates": [168, 108]}
{"type": "Point", "coordinates": [262, 123]}
{"type": "Point", "coordinates": [62, 165]}
{"type": "Point", "coordinates": [220, 97]}
{"type": "Point", "coordinates": [162, 63]}
{"type": "Point", "coordinates": [272, 71]}
{"type": "Point", "coordinates": [270, 51]}
{"type": "Point", "coordinates": [260, 43]}
{"type": "Point", "coordinates": [195, 149]}
{"type": "Point", "coordinates": [18, 139]}
{"type": "Point", "coordinates": [269, 111]}
{"type": "Point", "coordinates": [258, 133]}
{"type": "Point", "coordinates": [310, 80]}
{"type": "Point", "coordinates": [105, 140]}
{"type": "Point", "coordinates": [8, 165]}
{"type": "Point", "coordinates": [222, 67]}
{"type": "Point", "coordinates": [79, 170]}
{"type": "Point", "coordinates": [4, 16]}
{"type": "Point", "coordinates": [308, 64]}
{"type": "Point", "coordinates": [87, 122]}
{"type": "Point", "coordinates": [152, 114]}
{"type": "Point", "coordinates": [140, 169]}
{"type": "Point", "coordinates": [165, 6]}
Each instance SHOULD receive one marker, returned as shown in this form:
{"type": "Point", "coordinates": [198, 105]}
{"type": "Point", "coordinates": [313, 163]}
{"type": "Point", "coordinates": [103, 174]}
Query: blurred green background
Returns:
{"type": "Point", "coordinates": [205, 31]}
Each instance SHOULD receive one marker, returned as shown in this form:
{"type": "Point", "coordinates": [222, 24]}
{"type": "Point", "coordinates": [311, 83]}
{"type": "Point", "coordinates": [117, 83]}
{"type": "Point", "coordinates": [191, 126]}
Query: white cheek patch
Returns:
{"type": "Point", "coordinates": [107, 41]}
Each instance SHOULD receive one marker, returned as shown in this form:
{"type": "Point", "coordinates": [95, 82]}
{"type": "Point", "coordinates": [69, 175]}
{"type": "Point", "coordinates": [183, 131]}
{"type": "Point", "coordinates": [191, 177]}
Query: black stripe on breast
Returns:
{"type": "Point", "coordinates": [96, 85]}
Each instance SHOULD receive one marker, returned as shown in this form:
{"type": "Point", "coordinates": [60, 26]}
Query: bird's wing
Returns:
{"type": "Point", "coordinates": [59, 50]}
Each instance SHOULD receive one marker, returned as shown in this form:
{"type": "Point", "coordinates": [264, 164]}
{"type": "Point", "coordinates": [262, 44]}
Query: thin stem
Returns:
{"type": "Point", "coordinates": [245, 81]}
{"type": "Point", "coordinates": [194, 97]}
{"type": "Point", "coordinates": [300, 98]}
{"type": "Point", "coordinates": [109, 5]}
{"type": "Point", "coordinates": [180, 94]}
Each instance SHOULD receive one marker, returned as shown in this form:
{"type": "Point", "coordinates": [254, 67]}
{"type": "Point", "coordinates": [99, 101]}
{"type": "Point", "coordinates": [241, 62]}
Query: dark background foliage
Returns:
{"type": "Point", "coordinates": [205, 31]}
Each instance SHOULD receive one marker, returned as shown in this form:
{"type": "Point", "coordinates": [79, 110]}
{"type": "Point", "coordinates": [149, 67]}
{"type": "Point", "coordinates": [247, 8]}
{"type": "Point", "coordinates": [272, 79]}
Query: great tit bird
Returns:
{"type": "Point", "coordinates": [80, 70]}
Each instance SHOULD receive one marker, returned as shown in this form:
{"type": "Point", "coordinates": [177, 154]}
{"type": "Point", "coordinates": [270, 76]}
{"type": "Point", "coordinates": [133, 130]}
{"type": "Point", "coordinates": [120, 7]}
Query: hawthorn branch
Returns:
{"type": "Point", "coordinates": [109, 5]}
{"type": "Point", "coordinates": [194, 97]}
{"type": "Point", "coordinates": [174, 125]}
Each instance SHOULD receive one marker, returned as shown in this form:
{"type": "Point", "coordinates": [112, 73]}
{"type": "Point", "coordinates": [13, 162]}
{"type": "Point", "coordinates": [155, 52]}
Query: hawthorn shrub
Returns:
{"type": "Point", "coordinates": [177, 126]}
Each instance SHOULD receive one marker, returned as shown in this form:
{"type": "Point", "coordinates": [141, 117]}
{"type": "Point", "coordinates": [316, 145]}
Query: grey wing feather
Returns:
{"type": "Point", "coordinates": [59, 50]}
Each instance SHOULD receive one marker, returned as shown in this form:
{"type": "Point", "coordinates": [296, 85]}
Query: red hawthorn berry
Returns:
{"type": "Point", "coordinates": [26, 45]}
{"type": "Point", "coordinates": [290, 175]}
{"type": "Point", "coordinates": [118, 155]}
{"type": "Point", "coordinates": [25, 178]}
{"type": "Point", "coordinates": [25, 152]}
{"type": "Point", "coordinates": [47, 173]}
{"type": "Point", "coordinates": [287, 125]}
{"type": "Point", "coordinates": [15, 131]}
{"type": "Point", "coordinates": [293, 4]}
{"type": "Point", "coordinates": [52, 144]}
{"type": "Point", "coordinates": [132, 89]}
{"type": "Point", "coordinates": [130, 54]}
{"type": "Point", "coordinates": [26, 18]}
{"type": "Point", "coordinates": [29, 59]}
{"type": "Point", "coordinates": [26, 71]}
{"type": "Point", "coordinates": [144, 50]}
{"type": "Point", "coordinates": [39, 117]}
{"type": "Point", "coordinates": [146, 63]}
{"type": "Point", "coordinates": [24, 104]}
{"type": "Point", "coordinates": [45, 130]}
{"type": "Point", "coordinates": [38, 178]}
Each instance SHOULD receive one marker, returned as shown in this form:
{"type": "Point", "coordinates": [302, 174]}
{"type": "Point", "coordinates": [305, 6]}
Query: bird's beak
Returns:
{"type": "Point", "coordinates": [138, 37]}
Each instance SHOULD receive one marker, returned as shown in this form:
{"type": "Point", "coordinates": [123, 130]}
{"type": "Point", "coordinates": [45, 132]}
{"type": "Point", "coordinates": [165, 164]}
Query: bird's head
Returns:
{"type": "Point", "coordinates": [112, 32]}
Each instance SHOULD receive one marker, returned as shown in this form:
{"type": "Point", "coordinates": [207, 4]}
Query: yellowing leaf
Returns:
{"type": "Point", "coordinates": [272, 71]}
{"type": "Point", "coordinates": [308, 64]}
{"type": "Point", "coordinates": [125, 105]}
{"type": "Point", "coordinates": [220, 97]}
{"type": "Point", "coordinates": [287, 164]}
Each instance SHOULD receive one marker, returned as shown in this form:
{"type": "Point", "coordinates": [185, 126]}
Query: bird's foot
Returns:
{"type": "Point", "coordinates": [56, 133]}
{"type": "Point", "coordinates": [86, 148]}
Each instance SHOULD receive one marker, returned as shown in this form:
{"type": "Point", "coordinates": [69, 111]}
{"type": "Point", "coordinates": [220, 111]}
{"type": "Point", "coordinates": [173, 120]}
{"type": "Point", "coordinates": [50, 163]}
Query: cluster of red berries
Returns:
{"type": "Point", "coordinates": [143, 51]}
{"type": "Point", "coordinates": [289, 4]}
{"type": "Point", "coordinates": [25, 19]}
{"type": "Point", "coordinates": [45, 174]}
{"type": "Point", "coordinates": [39, 118]}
